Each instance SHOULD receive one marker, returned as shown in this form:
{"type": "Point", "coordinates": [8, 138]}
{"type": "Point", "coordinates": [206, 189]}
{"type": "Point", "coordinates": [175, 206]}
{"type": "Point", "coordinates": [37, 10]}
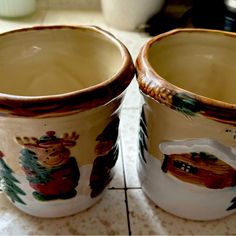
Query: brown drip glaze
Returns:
{"type": "Point", "coordinates": [72, 102]}
{"type": "Point", "coordinates": [156, 87]}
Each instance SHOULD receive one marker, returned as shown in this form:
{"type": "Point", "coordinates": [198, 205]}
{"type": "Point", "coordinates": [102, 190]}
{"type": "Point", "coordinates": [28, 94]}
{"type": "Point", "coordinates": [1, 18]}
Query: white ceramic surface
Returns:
{"type": "Point", "coordinates": [16, 8]}
{"type": "Point", "coordinates": [129, 15]}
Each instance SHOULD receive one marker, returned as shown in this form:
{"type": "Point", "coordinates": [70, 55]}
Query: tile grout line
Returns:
{"type": "Point", "coordinates": [130, 108]}
{"type": "Point", "coordinates": [125, 190]}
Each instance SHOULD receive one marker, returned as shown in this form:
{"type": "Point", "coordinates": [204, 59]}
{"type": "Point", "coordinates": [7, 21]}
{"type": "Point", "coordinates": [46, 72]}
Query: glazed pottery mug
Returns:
{"type": "Point", "coordinates": [187, 159]}
{"type": "Point", "coordinates": [61, 92]}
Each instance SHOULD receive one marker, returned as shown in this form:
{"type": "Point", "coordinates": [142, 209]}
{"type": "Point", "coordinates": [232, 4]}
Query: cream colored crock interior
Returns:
{"type": "Point", "coordinates": [201, 62]}
{"type": "Point", "coordinates": [56, 61]}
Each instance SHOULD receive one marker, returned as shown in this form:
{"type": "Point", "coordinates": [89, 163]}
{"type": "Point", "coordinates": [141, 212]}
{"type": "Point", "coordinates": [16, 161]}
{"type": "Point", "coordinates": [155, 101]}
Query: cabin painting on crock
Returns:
{"type": "Point", "coordinates": [203, 162]}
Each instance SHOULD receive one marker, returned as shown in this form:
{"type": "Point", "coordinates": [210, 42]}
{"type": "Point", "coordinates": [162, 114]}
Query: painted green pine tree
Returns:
{"type": "Point", "coordinates": [36, 173]}
{"type": "Point", "coordinates": [186, 104]}
{"type": "Point", "coordinates": [143, 136]}
{"type": "Point", "coordinates": [9, 182]}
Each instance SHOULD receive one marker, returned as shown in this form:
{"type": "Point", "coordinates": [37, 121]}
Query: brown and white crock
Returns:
{"type": "Point", "coordinates": [61, 91]}
{"type": "Point", "coordinates": [187, 159]}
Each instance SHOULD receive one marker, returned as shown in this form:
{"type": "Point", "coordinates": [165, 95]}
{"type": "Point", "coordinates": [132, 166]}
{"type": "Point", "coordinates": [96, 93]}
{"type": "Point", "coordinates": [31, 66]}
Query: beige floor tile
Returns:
{"type": "Point", "coordinates": [148, 219]}
{"type": "Point", "coordinates": [107, 217]}
{"type": "Point", "coordinates": [129, 142]}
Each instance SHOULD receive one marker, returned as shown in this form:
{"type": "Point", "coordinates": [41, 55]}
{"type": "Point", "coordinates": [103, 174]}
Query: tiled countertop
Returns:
{"type": "Point", "coordinates": [124, 209]}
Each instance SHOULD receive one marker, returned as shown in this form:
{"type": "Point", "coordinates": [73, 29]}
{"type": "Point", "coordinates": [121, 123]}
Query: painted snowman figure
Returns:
{"type": "Point", "coordinates": [48, 166]}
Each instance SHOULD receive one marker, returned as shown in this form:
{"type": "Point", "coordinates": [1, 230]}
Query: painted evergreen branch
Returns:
{"type": "Point", "coordinates": [233, 206]}
{"type": "Point", "coordinates": [185, 104]}
{"type": "Point", "coordinates": [36, 172]}
{"type": "Point", "coordinates": [8, 182]}
{"type": "Point", "coordinates": [142, 136]}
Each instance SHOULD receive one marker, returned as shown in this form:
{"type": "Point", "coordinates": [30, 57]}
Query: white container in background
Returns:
{"type": "Point", "coordinates": [17, 8]}
{"type": "Point", "coordinates": [129, 14]}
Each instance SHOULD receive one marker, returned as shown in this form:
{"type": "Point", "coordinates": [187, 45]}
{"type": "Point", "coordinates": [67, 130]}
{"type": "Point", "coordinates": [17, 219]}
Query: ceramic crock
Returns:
{"type": "Point", "coordinates": [61, 92]}
{"type": "Point", "coordinates": [187, 151]}
{"type": "Point", "coordinates": [131, 14]}
{"type": "Point", "coordinates": [14, 8]}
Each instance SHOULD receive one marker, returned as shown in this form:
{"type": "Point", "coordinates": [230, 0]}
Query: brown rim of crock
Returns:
{"type": "Point", "coordinates": [156, 87]}
{"type": "Point", "coordinates": [75, 101]}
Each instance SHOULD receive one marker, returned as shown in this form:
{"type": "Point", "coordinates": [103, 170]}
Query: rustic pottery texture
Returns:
{"type": "Point", "coordinates": [61, 91]}
{"type": "Point", "coordinates": [187, 161]}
